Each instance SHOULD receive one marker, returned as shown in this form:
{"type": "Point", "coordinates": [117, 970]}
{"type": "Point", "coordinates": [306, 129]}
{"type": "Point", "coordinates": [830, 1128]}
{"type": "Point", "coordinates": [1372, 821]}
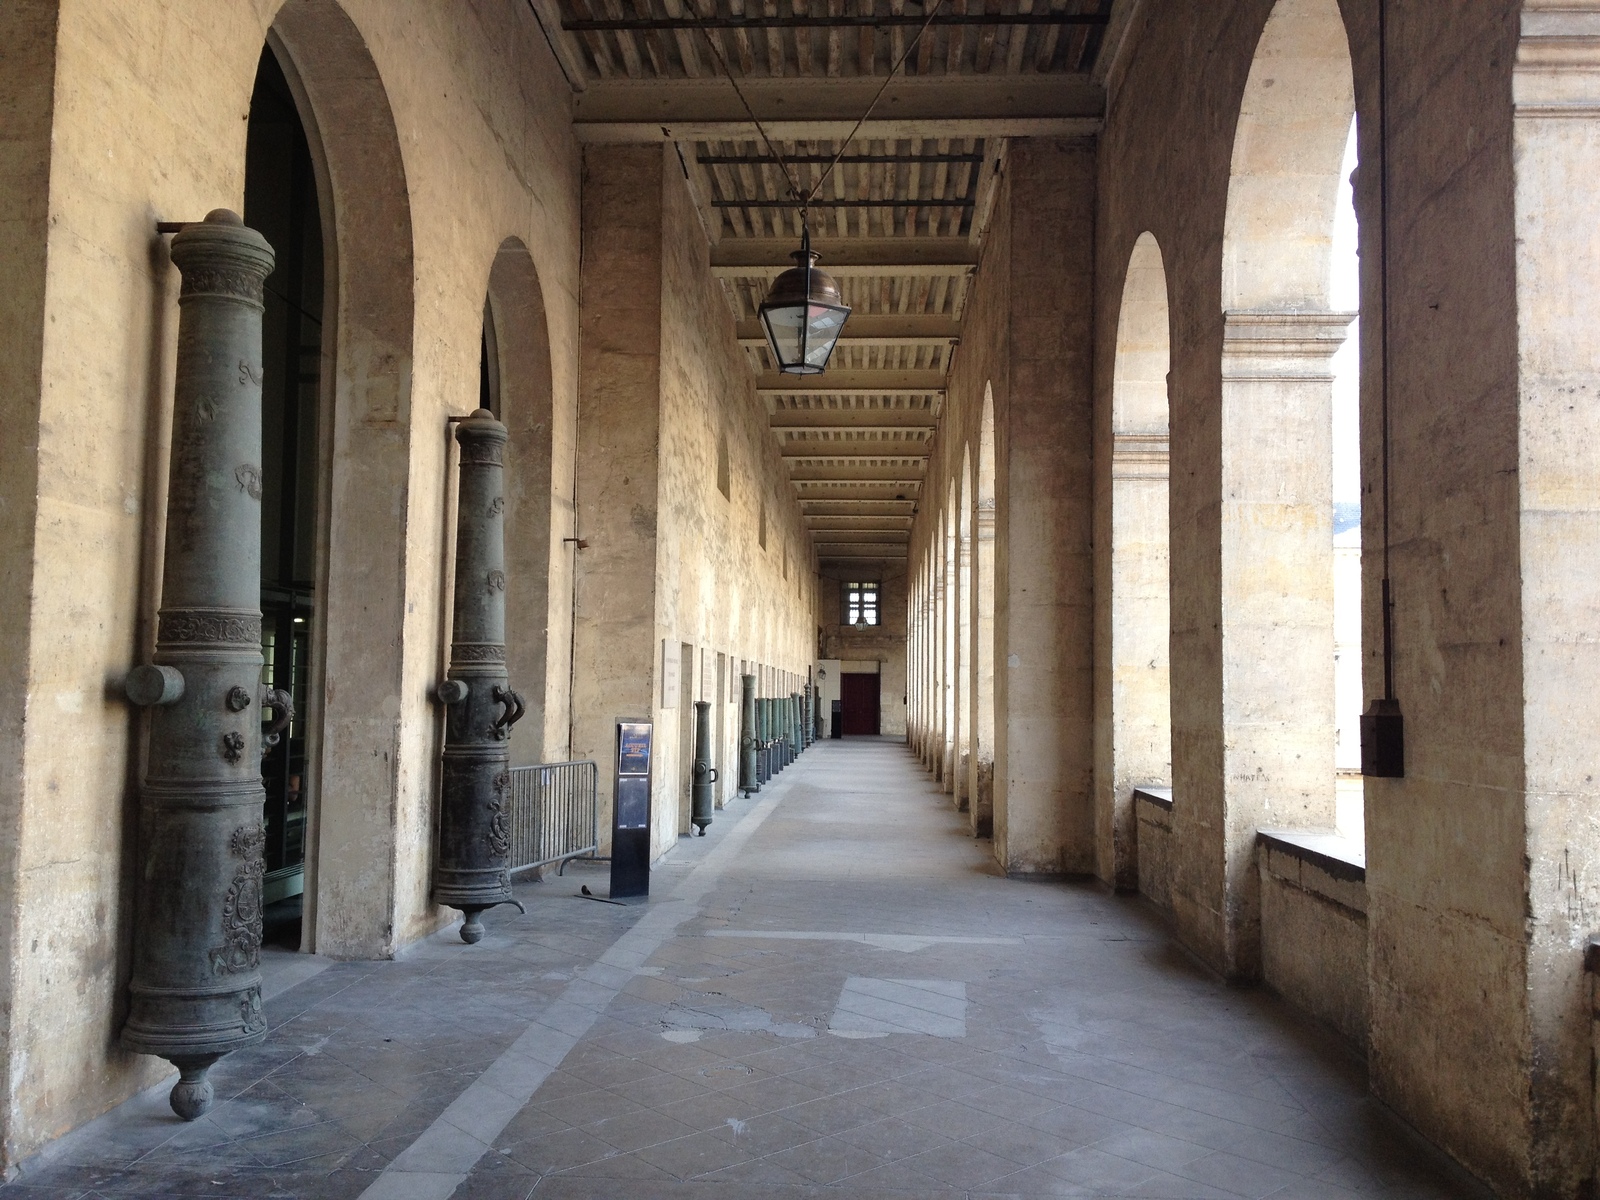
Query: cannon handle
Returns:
{"type": "Point", "coordinates": [282, 703]}
{"type": "Point", "coordinates": [515, 709]}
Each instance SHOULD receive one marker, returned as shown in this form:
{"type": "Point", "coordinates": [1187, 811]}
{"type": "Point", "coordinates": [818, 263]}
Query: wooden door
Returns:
{"type": "Point", "coordinates": [858, 695]}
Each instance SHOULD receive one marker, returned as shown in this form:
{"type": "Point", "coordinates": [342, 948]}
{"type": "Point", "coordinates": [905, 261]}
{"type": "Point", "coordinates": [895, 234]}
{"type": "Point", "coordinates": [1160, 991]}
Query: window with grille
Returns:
{"type": "Point", "coordinates": [861, 603]}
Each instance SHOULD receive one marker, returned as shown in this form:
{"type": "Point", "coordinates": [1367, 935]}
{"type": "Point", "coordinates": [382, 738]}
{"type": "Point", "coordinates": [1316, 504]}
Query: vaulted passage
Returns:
{"type": "Point", "coordinates": [1084, 689]}
{"type": "Point", "coordinates": [837, 988]}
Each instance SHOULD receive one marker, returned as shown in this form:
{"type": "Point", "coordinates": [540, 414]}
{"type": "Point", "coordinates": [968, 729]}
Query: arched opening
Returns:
{"type": "Point", "coordinates": [1345, 296]}
{"type": "Point", "coordinates": [1283, 188]}
{"type": "Point", "coordinates": [1134, 746]}
{"type": "Point", "coordinates": [1270, 763]}
{"type": "Point", "coordinates": [280, 201]}
{"type": "Point", "coordinates": [515, 380]}
{"type": "Point", "coordinates": [351, 795]}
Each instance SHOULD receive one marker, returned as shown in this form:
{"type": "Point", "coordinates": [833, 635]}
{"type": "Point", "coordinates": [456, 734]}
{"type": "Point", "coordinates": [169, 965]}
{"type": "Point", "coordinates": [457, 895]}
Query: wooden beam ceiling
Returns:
{"type": "Point", "coordinates": [898, 213]}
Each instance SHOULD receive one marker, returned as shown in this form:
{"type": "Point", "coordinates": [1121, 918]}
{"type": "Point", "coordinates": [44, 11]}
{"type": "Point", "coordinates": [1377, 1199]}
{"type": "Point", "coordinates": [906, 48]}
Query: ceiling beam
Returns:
{"type": "Point", "coordinates": [873, 20]}
{"type": "Point", "coordinates": [835, 553]}
{"type": "Point", "coordinates": [881, 255]}
{"type": "Point", "coordinates": [756, 340]}
{"type": "Point", "coordinates": [796, 450]}
{"type": "Point", "coordinates": [852, 383]}
{"type": "Point", "coordinates": [622, 111]}
{"type": "Point", "coordinates": [846, 492]}
{"type": "Point", "coordinates": [888, 329]}
{"type": "Point", "coordinates": [863, 428]}
{"type": "Point", "coordinates": [885, 477]}
{"type": "Point", "coordinates": [815, 507]}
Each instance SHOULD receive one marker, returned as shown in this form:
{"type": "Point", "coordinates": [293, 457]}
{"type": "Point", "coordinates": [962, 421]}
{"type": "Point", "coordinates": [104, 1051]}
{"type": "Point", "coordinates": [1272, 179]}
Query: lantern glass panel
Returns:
{"type": "Point", "coordinates": [786, 330]}
{"type": "Point", "coordinates": [824, 326]}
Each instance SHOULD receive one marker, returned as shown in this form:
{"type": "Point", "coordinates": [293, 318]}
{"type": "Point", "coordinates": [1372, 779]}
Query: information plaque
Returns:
{"type": "Point", "coordinates": [630, 812]}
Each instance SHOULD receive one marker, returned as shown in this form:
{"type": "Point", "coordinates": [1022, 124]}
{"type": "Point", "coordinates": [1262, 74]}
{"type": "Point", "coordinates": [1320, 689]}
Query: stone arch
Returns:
{"type": "Point", "coordinates": [1283, 187]}
{"type": "Point", "coordinates": [1134, 746]}
{"type": "Point", "coordinates": [1270, 648]}
{"type": "Point", "coordinates": [351, 892]}
{"type": "Point", "coordinates": [518, 341]}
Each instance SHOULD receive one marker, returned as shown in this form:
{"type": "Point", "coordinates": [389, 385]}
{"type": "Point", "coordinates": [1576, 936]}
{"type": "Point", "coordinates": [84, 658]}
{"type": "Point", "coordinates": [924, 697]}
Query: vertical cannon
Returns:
{"type": "Point", "coordinates": [748, 782]}
{"type": "Point", "coordinates": [795, 730]}
{"type": "Point", "coordinates": [704, 773]}
{"type": "Point", "coordinates": [472, 870]}
{"type": "Point", "coordinates": [195, 994]}
{"type": "Point", "coordinates": [764, 736]}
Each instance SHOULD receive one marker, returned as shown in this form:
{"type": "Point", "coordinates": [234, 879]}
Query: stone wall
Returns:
{"type": "Point", "coordinates": [717, 587]}
{"type": "Point", "coordinates": [1479, 878]}
{"type": "Point", "coordinates": [885, 645]}
{"type": "Point", "coordinates": [439, 133]}
{"type": "Point", "coordinates": [671, 561]}
{"type": "Point", "coordinates": [1314, 929]}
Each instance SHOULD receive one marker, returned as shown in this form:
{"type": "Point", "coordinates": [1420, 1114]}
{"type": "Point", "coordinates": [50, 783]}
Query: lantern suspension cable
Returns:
{"type": "Point", "coordinates": [803, 199]}
{"type": "Point", "coordinates": [804, 313]}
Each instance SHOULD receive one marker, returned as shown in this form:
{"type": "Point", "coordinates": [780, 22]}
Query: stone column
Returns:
{"type": "Point", "coordinates": [961, 756]}
{"type": "Point", "coordinates": [951, 666]}
{"type": "Point", "coordinates": [1265, 757]}
{"type": "Point", "coordinates": [1483, 867]}
{"type": "Point", "coordinates": [940, 641]}
{"type": "Point", "coordinates": [980, 779]}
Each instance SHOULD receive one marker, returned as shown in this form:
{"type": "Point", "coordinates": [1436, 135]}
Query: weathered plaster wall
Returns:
{"type": "Point", "coordinates": [885, 645]}
{"type": "Point", "coordinates": [148, 124]}
{"type": "Point", "coordinates": [671, 561]}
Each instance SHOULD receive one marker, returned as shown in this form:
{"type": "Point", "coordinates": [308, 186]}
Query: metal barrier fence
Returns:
{"type": "Point", "coordinates": [555, 815]}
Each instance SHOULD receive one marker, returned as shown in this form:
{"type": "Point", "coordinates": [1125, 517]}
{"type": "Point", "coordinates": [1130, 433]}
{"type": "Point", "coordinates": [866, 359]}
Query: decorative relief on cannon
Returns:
{"type": "Point", "coordinates": [196, 990]}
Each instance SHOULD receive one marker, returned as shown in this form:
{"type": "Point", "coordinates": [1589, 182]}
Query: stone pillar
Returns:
{"type": "Point", "coordinates": [961, 757]}
{"type": "Point", "coordinates": [1253, 743]}
{"type": "Point", "coordinates": [196, 988]}
{"type": "Point", "coordinates": [1483, 868]}
{"type": "Point", "coordinates": [1044, 577]}
{"type": "Point", "coordinates": [941, 641]}
{"type": "Point", "coordinates": [980, 779]}
{"type": "Point", "coordinates": [951, 666]}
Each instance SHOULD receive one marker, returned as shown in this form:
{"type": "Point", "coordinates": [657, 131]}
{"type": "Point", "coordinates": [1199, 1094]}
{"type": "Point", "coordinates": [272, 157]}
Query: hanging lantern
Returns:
{"type": "Point", "coordinates": [803, 315]}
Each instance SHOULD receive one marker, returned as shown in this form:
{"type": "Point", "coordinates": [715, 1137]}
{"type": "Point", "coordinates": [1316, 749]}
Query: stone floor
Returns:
{"type": "Point", "coordinates": [831, 995]}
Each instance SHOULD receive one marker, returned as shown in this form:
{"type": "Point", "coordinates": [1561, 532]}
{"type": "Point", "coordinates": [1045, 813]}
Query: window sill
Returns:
{"type": "Point", "coordinates": [1161, 797]}
{"type": "Point", "coordinates": [1342, 858]}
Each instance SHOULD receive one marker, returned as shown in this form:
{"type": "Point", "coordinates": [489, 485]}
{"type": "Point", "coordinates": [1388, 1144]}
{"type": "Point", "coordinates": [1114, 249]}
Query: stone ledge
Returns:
{"type": "Point", "coordinates": [1161, 797]}
{"type": "Point", "coordinates": [1343, 858]}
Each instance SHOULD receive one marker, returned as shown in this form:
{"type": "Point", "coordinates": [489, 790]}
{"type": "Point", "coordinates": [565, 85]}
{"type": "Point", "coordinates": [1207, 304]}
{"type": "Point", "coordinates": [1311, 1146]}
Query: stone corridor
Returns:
{"type": "Point", "coordinates": [832, 994]}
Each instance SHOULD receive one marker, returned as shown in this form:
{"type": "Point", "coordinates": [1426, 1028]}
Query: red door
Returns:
{"type": "Point", "coordinates": [858, 702]}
